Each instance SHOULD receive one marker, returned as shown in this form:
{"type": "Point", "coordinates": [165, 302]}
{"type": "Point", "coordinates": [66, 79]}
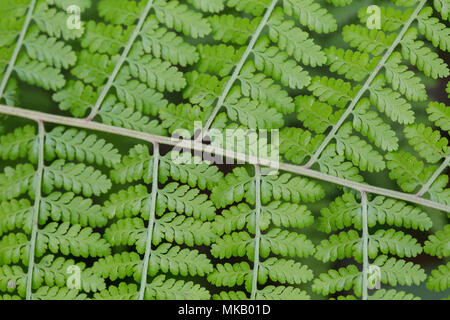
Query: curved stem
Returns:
{"type": "Point", "coordinates": [366, 86]}
{"type": "Point", "coordinates": [151, 222]}
{"type": "Point", "coordinates": [37, 200]}
{"type": "Point", "coordinates": [197, 146]}
{"type": "Point", "coordinates": [238, 68]}
{"type": "Point", "coordinates": [17, 48]}
{"type": "Point", "coordinates": [121, 61]}
{"type": "Point", "coordinates": [433, 178]}
{"type": "Point", "coordinates": [365, 240]}
{"type": "Point", "coordinates": [257, 232]}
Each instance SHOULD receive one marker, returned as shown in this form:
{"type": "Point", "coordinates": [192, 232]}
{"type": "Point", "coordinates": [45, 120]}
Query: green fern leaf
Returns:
{"type": "Point", "coordinates": [77, 145]}
{"type": "Point", "coordinates": [439, 113]}
{"type": "Point", "coordinates": [75, 177]}
{"type": "Point", "coordinates": [440, 278]}
{"type": "Point", "coordinates": [311, 15]}
{"type": "Point", "coordinates": [170, 289]}
{"type": "Point", "coordinates": [426, 142]}
{"type": "Point", "coordinates": [439, 244]}
{"type": "Point", "coordinates": [73, 240]}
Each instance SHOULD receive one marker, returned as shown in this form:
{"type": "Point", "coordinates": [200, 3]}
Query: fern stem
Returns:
{"type": "Point", "coordinates": [151, 222]}
{"type": "Point", "coordinates": [366, 86]}
{"type": "Point", "coordinates": [257, 232]}
{"type": "Point", "coordinates": [238, 68]}
{"type": "Point", "coordinates": [37, 200]}
{"type": "Point", "coordinates": [433, 178]}
{"type": "Point", "coordinates": [17, 48]}
{"type": "Point", "coordinates": [365, 240]}
{"type": "Point", "coordinates": [197, 146]}
{"type": "Point", "coordinates": [121, 61]}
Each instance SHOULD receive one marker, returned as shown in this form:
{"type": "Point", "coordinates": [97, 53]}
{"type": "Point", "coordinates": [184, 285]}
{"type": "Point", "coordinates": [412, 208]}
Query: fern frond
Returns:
{"type": "Point", "coordinates": [276, 64]}
{"type": "Point", "coordinates": [290, 188]}
{"type": "Point", "coordinates": [55, 293]}
{"type": "Point", "coordinates": [49, 50]}
{"type": "Point", "coordinates": [345, 211]}
{"type": "Point", "coordinates": [395, 272]}
{"type": "Point", "coordinates": [73, 240]}
{"type": "Point", "coordinates": [228, 28]}
{"type": "Point", "coordinates": [181, 18]}
{"type": "Point", "coordinates": [297, 144]}
{"type": "Point", "coordinates": [182, 230]}
{"type": "Point", "coordinates": [426, 142]}
{"type": "Point", "coordinates": [440, 278]}
{"type": "Point", "coordinates": [334, 164]}
{"type": "Point", "coordinates": [154, 72]}
{"type": "Point", "coordinates": [177, 261]}
{"type": "Point", "coordinates": [39, 74]}
{"type": "Point", "coordinates": [390, 102]}
{"type": "Point", "coordinates": [123, 291]}
{"type": "Point", "coordinates": [370, 124]}
{"type": "Point", "coordinates": [182, 199]}
{"type": "Point", "coordinates": [393, 242]}
{"type": "Point", "coordinates": [294, 40]}
{"type": "Point", "coordinates": [15, 214]}
{"type": "Point", "coordinates": [258, 86]}
{"type": "Point", "coordinates": [439, 113]}
{"type": "Point", "coordinates": [422, 56]}
{"type": "Point", "coordinates": [167, 45]}
{"type": "Point", "coordinates": [69, 208]}
{"type": "Point", "coordinates": [208, 5]}
{"type": "Point", "coordinates": [438, 244]}
{"type": "Point", "coordinates": [251, 113]}
{"type": "Point", "coordinates": [349, 63]}
{"type": "Point", "coordinates": [277, 270]}
{"type": "Point", "coordinates": [311, 15]}
{"type": "Point", "coordinates": [78, 178]}
{"type": "Point", "coordinates": [338, 280]}
{"type": "Point", "coordinates": [334, 91]}
{"type": "Point", "coordinates": [117, 114]}
{"type": "Point", "coordinates": [77, 145]}
{"type": "Point", "coordinates": [340, 246]}
{"type": "Point", "coordinates": [358, 151]}
{"type": "Point", "coordinates": [16, 181]}
{"type": "Point", "coordinates": [434, 31]}
{"type": "Point", "coordinates": [18, 144]}
{"type": "Point", "coordinates": [162, 288]}
{"type": "Point", "coordinates": [286, 244]}
{"type": "Point", "coordinates": [14, 248]}
{"type": "Point", "coordinates": [316, 116]}
{"type": "Point", "coordinates": [282, 293]}
{"type": "Point", "coordinates": [51, 271]}
{"type": "Point", "coordinates": [404, 80]}
{"type": "Point", "coordinates": [117, 266]}
{"type": "Point", "coordinates": [370, 41]}
{"type": "Point", "coordinates": [127, 232]}
{"type": "Point", "coordinates": [228, 275]}
{"type": "Point", "coordinates": [407, 170]}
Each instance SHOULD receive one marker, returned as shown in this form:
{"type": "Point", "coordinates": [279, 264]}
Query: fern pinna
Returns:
{"type": "Point", "coordinates": [135, 58]}
{"type": "Point", "coordinates": [271, 205]}
{"type": "Point", "coordinates": [40, 29]}
{"type": "Point", "coordinates": [355, 106]}
{"type": "Point", "coordinates": [162, 225]}
{"type": "Point", "coordinates": [47, 211]}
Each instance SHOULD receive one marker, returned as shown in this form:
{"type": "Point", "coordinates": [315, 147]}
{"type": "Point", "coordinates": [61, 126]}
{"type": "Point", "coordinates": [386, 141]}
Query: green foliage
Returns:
{"type": "Point", "coordinates": [346, 212]}
{"type": "Point", "coordinates": [284, 244]}
{"type": "Point", "coordinates": [347, 103]}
